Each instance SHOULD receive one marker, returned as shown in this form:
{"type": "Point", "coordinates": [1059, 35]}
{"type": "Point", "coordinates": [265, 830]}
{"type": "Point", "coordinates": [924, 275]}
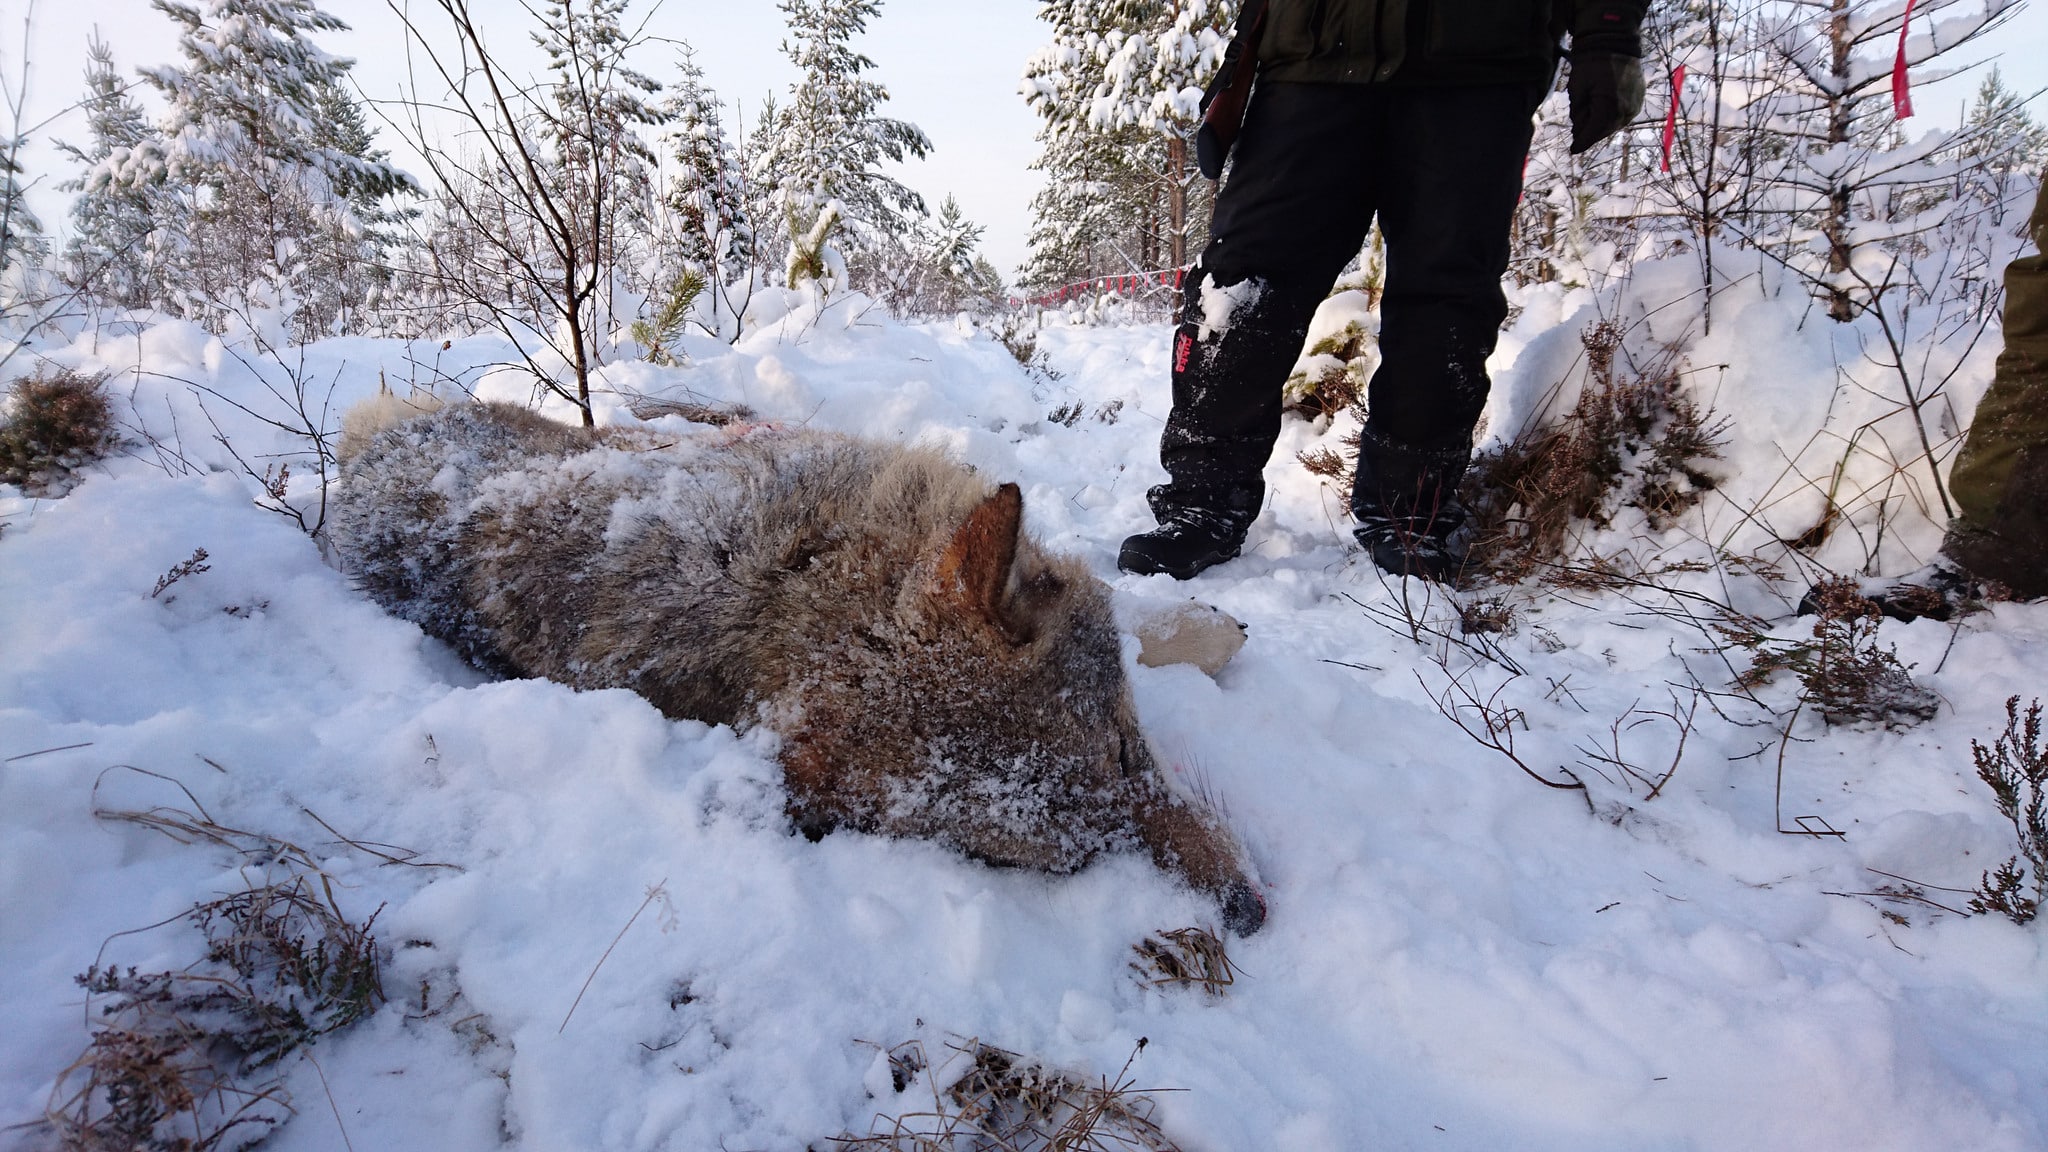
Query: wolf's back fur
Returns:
{"type": "Point", "coordinates": [931, 670]}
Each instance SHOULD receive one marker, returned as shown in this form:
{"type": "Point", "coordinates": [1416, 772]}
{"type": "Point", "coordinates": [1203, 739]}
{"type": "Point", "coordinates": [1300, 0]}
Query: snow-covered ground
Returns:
{"type": "Point", "coordinates": [1457, 958]}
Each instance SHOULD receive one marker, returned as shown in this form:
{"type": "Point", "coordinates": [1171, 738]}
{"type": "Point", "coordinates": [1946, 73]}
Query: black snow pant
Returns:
{"type": "Point", "coordinates": [1442, 169]}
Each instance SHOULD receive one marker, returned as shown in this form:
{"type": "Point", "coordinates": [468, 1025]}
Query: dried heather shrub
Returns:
{"type": "Point", "coordinates": [2015, 768]}
{"type": "Point", "coordinates": [1847, 676]}
{"type": "Point", "coordinates": [1634, 439]}
{"type": "Point", "coordinates": [1185, 958]}
{"type": "Point", "coordinates": [57, 423]}
{"type": "Point", "coordinates": [1843, 673]}
{"type": "Point", "coordinates": [190, 1061]}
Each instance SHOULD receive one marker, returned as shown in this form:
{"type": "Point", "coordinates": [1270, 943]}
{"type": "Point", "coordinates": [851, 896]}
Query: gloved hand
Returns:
{"type": "Point", "coordinates": [1606, 90]}
{"type": "Point", "coordinates": [1606, 85]}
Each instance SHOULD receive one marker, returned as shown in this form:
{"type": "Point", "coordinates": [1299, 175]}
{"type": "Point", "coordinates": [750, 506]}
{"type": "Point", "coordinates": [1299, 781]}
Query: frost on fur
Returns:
{"type": "Point", "coordinates": [384, 410]}
{"type": "Point", "coordinates": [932, 671]}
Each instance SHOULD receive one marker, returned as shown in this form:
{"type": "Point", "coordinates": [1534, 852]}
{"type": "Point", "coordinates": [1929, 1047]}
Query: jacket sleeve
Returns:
{"type": "Point", "coordinates": [1614, 26]}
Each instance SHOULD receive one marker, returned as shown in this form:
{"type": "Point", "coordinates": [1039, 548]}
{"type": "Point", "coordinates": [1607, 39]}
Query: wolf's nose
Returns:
{"type": "Point", "coordinates": [1244, 910]}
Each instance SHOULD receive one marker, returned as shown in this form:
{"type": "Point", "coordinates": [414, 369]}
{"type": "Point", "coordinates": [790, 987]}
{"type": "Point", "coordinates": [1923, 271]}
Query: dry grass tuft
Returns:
{"type": "Point", "coordinates": [997, 1101]}
{"type": "Point", "coordinates": [1185, 957]}
{"type": "Point", "coordinates": [56, 424]}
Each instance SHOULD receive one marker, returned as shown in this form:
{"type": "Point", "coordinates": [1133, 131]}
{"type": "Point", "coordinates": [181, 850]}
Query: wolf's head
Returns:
{"type": "Point", "coordinates": [988, 709]}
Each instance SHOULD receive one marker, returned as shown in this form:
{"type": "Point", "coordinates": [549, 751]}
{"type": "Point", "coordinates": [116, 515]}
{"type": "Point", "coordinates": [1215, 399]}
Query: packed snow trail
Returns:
{"type": "Point", "coordinates": [1457, 958]}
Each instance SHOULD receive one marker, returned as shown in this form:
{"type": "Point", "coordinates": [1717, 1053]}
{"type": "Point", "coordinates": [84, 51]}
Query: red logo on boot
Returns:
{"type": "Point", "coordinates": [1183, 344]}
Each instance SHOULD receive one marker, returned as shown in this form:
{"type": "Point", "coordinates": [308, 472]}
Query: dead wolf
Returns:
{"type": "Point", "coordinates": [932, 671]}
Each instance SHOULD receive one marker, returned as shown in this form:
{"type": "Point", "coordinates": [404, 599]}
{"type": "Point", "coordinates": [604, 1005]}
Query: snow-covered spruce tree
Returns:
{"type": "Point", "coordinates": [701, 226]}
{"type": "Point", "coordinates": [269, 181]}
{"type": "Point", "coordinates": [113, 253]}
{"type": "Point", "coordinates": [596, 103]}
{"type": "Point", "coordinates": [1117, 90]}
{"type": "Point", "coordinates": [935, 268]}
{"type": "Point", "coordinates": [21, 234]}
{"type": "Point", "coordinates": [826, 143]}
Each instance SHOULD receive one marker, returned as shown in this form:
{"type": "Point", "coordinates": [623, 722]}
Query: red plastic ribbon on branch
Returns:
{"type": "Point", "coordinates": [1902, 90]}
{"type": "Point", "coordinates": [1671, 117]}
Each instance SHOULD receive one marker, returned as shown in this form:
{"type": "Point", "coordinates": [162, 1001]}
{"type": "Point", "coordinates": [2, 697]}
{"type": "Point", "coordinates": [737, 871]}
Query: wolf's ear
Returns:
{"type": "Point", "coordinates": [975, 567]}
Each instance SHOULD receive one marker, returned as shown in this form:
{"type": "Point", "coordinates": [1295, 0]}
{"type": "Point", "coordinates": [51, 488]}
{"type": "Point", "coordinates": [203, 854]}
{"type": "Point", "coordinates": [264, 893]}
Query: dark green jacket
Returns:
{"type": "Point", "coordinates": [1436, 41]}
{"type": "Point", "coordinates": [2000, 480]}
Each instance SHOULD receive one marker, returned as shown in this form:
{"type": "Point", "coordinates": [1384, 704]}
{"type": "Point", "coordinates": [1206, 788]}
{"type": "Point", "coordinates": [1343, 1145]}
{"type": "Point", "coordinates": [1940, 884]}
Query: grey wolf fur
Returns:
{"type": "Point", "coordinates": [931, 670]}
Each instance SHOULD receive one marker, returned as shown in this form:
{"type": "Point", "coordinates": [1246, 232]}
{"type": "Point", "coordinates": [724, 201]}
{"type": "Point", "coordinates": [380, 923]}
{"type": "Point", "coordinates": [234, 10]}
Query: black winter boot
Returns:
{"type": "Point", "coordinates": [1406, 503]}
{"type": "Point", "coordinates": [1188, 540]}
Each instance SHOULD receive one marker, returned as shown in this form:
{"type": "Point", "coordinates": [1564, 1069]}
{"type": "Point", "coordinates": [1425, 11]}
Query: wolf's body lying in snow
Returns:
{"type": "Point", "coordinates": [932, 672]}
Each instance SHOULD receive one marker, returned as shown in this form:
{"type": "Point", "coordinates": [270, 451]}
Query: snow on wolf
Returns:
{"type": "Point", "coordinates": [932, 671]}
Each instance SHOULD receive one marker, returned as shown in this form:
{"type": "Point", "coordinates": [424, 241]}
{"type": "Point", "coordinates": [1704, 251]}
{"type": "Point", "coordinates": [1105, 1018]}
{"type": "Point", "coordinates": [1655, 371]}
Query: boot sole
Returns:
{"type": "Point", "coordinates": [1395, 560]}
{"type": "Point", "coordinates": [1138, 563]}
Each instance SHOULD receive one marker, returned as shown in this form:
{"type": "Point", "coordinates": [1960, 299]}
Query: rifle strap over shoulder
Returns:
{"type": "Point", "coordinates": [1229, 91]}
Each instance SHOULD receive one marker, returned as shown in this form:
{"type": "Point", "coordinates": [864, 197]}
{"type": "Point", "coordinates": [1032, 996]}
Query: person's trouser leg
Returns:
{"type": "Point", "coordinates": [1446, 204]}
{"type": "Point", "coordinates": [1294, 210]}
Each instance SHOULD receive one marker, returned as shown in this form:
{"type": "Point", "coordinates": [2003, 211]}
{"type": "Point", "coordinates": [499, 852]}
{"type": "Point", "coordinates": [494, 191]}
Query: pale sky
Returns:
{"type": "Point", "coordinates": [952, 68]}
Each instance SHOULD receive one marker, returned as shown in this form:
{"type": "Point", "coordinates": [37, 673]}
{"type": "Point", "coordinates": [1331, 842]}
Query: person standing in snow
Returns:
{"type": "Point", "coordinates": [2000, 479]}
{"type": "Point", "coordinates": [1419, 112]}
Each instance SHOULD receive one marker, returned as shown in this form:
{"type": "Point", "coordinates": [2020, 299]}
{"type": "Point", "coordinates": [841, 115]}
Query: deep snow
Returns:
{"type": "Point", "coordinates": [1456, 958]}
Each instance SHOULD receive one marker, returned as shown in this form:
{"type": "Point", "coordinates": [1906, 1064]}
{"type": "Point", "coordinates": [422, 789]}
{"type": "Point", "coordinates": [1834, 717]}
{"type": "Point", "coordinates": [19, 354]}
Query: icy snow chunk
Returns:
{"type": "Point", "coordinates": [1221, 303]}
{"type": "Point", "coordinates": [781, 390]}
{"type": "Point", "coordinates": [1742, 958]}
{"type": "Point", "coordinates": [1948, 849]}
{"type": "Point", "coordinates": [1190, 633]}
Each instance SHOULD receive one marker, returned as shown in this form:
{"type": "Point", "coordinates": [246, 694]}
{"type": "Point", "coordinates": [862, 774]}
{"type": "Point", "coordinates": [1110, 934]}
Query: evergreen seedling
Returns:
{"type": "Point", "coordinates": [660, 332]}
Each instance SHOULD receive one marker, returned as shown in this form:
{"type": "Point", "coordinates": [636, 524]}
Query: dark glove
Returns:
{"type": "Point", "coordinates": [1606, 85]}
{"type": "Point", "coordinates": [1606, 91]}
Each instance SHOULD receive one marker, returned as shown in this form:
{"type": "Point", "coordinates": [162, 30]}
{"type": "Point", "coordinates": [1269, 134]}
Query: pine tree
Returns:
{"type": "Point", "coordinates": [1118, 89]}
{"type": "Point", "coordinates": [954, 240]}
{"type": "Point", "coordinates": [254, 87]}
{"type": "Point", "coordinates": [2003, 149]}
{"type": "Point", "coordinates": [114, 224]}
{"type": "Point", "coordinates": [597, 101]}
{"type": "Point", "coordinates": [270, 165]}
{"type": "Point", "coordinates": [21, 234]}
{"type": "Point", "coordinates": [706, 229]}
{"type": "Point", "coordinates": [828, 142]}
